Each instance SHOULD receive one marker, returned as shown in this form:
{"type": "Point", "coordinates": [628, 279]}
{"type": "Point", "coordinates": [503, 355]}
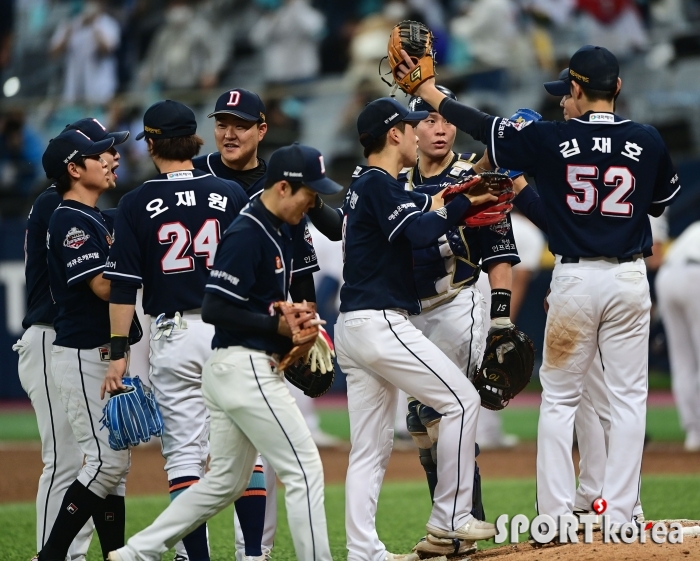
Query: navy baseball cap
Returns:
{"type": "Point", "coordinates": [593, 67]}
{"type": "Point", "coordinates": [419, 104]}
{"type": "Point", "coordinates": [168, 119]}
{"type": "Point", "coordinates": [96, 131]}
{"type": "Point", "coordinates": [380, 115]}
{"type": "Point", "coordinates": [241, 103]}
{"type": "Point", "coordinates": [68, 145]}
{"type": "Point", "coordinates": [301, 164]}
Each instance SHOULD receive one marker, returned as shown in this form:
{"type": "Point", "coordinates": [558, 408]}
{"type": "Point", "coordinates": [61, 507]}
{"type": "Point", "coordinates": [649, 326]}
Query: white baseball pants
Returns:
{"type": "Point", "coordinates": [380, 351]}
{"type": "Point", "coordinates": [60, 451]}
{"type": "Point", "coordinates": [251, 409]}
{"type": "Point", "coordinates": [177, 361]}
{"type": "Point", "coordinates": [594, 304]}
{"type": "Point", "coordinates": [78, 375]}
{"type": "Point", "coordinates": [681, 316]}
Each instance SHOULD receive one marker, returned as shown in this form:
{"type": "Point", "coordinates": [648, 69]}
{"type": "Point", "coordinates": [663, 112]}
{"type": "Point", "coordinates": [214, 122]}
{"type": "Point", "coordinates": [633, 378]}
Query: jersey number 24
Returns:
{"type": "Point", "coordinates": [179, 238]}
{"type": "Point", "coordinates": [619, 178]}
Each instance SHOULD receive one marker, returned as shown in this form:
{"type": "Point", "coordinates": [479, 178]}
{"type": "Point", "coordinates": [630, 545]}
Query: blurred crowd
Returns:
{"type": "Point", "coordinates": [65, 59]}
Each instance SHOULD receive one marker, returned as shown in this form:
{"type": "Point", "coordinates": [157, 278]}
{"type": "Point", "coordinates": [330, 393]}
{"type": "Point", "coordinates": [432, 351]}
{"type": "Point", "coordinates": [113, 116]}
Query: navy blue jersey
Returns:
{"type": "Point", "coordinates": [253, 181]}
{"type": "Point", "coordinates": [40, 306]}
{"type": "Point", "coordinates": [78, 246]}
{"type": "Point", "coordinates": [378, 270]}
{"type": "Point", "coordinates": [598, 176]}
{"type": "Point", "coordinates": [252, 269]}
{"type": "Point", "coordinates": [166, 234]}
{"type": "Point", "coordinates": [458, 256]}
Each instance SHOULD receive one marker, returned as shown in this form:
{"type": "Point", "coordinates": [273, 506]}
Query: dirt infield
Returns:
{"type": "Point", "coordinates": [21, 466]}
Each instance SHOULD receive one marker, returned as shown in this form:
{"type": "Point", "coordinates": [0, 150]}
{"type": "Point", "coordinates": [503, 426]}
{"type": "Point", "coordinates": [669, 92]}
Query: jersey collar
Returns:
{"type": "Point", "coordinates": [600, 118]}
{"type": "Point", "coordinates": [271, 223]}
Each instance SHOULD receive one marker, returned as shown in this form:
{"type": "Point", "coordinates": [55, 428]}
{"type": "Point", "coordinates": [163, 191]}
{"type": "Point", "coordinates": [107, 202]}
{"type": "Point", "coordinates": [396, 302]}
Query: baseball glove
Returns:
{"type": "Point", "coordinates": [131, 416]}
{"type": "Point", "coordinates": [506, 368]}
{"type": "Point", "coordinates": [488, 213]}
{"type": "Point", "coordinates": [312, 383]}
{"type": "Point", "coordinates": [416, 39]}
{"type": "Point", "coordinates": [303, 324]}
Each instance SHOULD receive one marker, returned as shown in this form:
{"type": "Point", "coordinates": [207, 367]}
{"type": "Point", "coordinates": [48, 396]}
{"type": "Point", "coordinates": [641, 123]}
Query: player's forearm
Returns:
{"type": "Point", "coordinates": [467, 119]}
{"type": "Point", "coordinates": [429, 226]}
{"type": "Point", "coordinates": [327, 220]}
{"type": "Point", "coordinates": [120, 318]}
{"type": "Point", "coordinates": [530, 204]}
{"type": "Point", "coordinates": [501, 276]}
{"type": "Point", "coordinates": [224, 314]}
{"type": "Point", "coordinates": [303, 288]}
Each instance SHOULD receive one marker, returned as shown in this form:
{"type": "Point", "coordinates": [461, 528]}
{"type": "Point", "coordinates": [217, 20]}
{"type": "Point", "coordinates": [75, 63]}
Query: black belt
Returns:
{"type": "Point", "coordinates": [565, 259]}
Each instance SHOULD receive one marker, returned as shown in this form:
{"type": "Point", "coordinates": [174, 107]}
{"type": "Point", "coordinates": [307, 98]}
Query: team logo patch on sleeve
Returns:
{"type": "Point", "coordinates": [501, 228]}
{"type": "Point", "coordinates": [75, 238]}
{"type": "Point", "coordinates": [307, 235]}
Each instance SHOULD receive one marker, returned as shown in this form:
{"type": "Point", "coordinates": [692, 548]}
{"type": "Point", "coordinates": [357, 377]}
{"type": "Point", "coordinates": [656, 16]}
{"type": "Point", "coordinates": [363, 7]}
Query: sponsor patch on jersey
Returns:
{"type": "Point", "coordinates": [278, 262]}
{"type": "Point", "coordinates": [104, 354]}
{"type": "Point", "coordinates": [72, 508]}
{"type": "Point", "coordinates": [307, 235]}
{"type": "Point", "coordinates": [601, 118]}
{"type": "Point", "coordinates": [75, 238]}
{"type": "Point", "coordinates": [501, 228]}
{"type": "Point", "coordinates": [180, 175]}
{"type": "Point", "coordinates": [520, 124]}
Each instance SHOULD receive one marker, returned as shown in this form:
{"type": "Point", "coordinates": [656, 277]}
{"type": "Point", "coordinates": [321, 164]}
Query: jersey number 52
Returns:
{"type": "Point", "coordinates": [620, 179]}
{"type": "Point", "coordinates": [179, 237]}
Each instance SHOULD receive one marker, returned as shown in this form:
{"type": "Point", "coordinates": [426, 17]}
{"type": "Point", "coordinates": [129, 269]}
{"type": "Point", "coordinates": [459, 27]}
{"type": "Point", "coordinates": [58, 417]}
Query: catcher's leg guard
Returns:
{"type": "Point", "coordinates": [415, 427]}
{"type": "Point", "coordinates": [430, 467]}
{"type": "Point", "coordinates": [430, 419]}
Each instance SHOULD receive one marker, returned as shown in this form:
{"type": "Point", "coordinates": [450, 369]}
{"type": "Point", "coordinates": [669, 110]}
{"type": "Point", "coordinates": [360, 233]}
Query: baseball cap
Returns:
{"type": "Point", "coordinates": [96, 131]}
{"type": "Point", "coordinates": [419, 104]}
{"type": "Point", "coordinates": [241, 103]}
{"type": "Point", "coordinates": [380, 115]}
{"type": "Point", "coordinates": [591, 66]}
{"type": "Point", "coordinates": [68, 145]}
{"type": "Point", "coordinates": [168, 119]}
{"type": "Point", "coordinates": [301, 164]}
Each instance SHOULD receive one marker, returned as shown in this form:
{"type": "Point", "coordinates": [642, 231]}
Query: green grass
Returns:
{"type": "Point", "coordinates": [662, 424]}
{"type": "Point", "coordinates": [662, 497]}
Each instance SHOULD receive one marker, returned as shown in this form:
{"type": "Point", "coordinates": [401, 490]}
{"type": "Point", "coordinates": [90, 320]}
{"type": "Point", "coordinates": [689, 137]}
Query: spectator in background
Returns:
{"type": "Point", "coordinates": [489, 32]}
{"type": "Point", "coordinates": [20, 155]}
{"type": "Point", "coordinates": [614, 24]}
{"type": "Point", "coordinates": [289, 38]}
{"type": "Point", "coordinates": [7, 21]}
{"type": "Point", "coordinates": [89, 42]}
{"type": "Point", "coordinates": [183, 55]}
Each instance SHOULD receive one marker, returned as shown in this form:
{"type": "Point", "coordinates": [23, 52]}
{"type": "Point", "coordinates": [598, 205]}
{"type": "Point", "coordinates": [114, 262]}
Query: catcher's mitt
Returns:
{"type": "Point", "coordinates": [313, 384]}
{"type": "Point", "coordinates": [416, 39]}
{"type": "Point", "coordinates": [303, 324]}
{"type": "Point", "coordinates": [131, 416]}
{"type": "Point", "coordinates": [506, 368]}
{"type": "Point", "coordinates": [488, 213]}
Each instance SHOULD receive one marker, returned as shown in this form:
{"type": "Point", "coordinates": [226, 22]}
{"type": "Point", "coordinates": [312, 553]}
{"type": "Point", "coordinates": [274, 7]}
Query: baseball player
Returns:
{"type": "Point", "coordinates": [599, 176]}
{"type": "Point", "coordinates": [679, 273]}
{"type": "Point", "coordinates": [166, 234]}
{"type": "Point", "coordinates": [78, 241]}
{"type": "Point", "coordinates": [59, 448]}
{"type": "Point", "coordinates": [446, 273]}
{"type": "Point", "coordinates": [251, 407]}
{"type": "Point", "coordinates": [592, 419]}
{"type": "Point", "coordinates": [380, 350]}
{"type": "Point", "coordinates": [239, 128]}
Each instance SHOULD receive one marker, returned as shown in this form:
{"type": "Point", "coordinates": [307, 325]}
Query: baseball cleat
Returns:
{"type": "Point", "coordinates": [114, 556]}
{"type": "Point", "coordinates": [401, 557]}
{"type": "Point", "coordinates": [472, 530]}
{"type": "Point", "coordinates": [431, 546]}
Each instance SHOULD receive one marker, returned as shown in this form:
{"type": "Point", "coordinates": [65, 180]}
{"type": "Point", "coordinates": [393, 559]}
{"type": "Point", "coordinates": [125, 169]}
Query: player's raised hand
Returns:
{"type": "Point", "coordinates": [113, 379]}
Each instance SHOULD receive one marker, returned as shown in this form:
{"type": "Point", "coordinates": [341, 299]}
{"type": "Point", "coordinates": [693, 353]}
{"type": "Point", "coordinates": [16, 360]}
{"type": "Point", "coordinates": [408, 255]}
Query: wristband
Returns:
{"type": "Point", "coordinates": [119, 347]}
{"type": "Point", "coordinates": [500, 303]}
